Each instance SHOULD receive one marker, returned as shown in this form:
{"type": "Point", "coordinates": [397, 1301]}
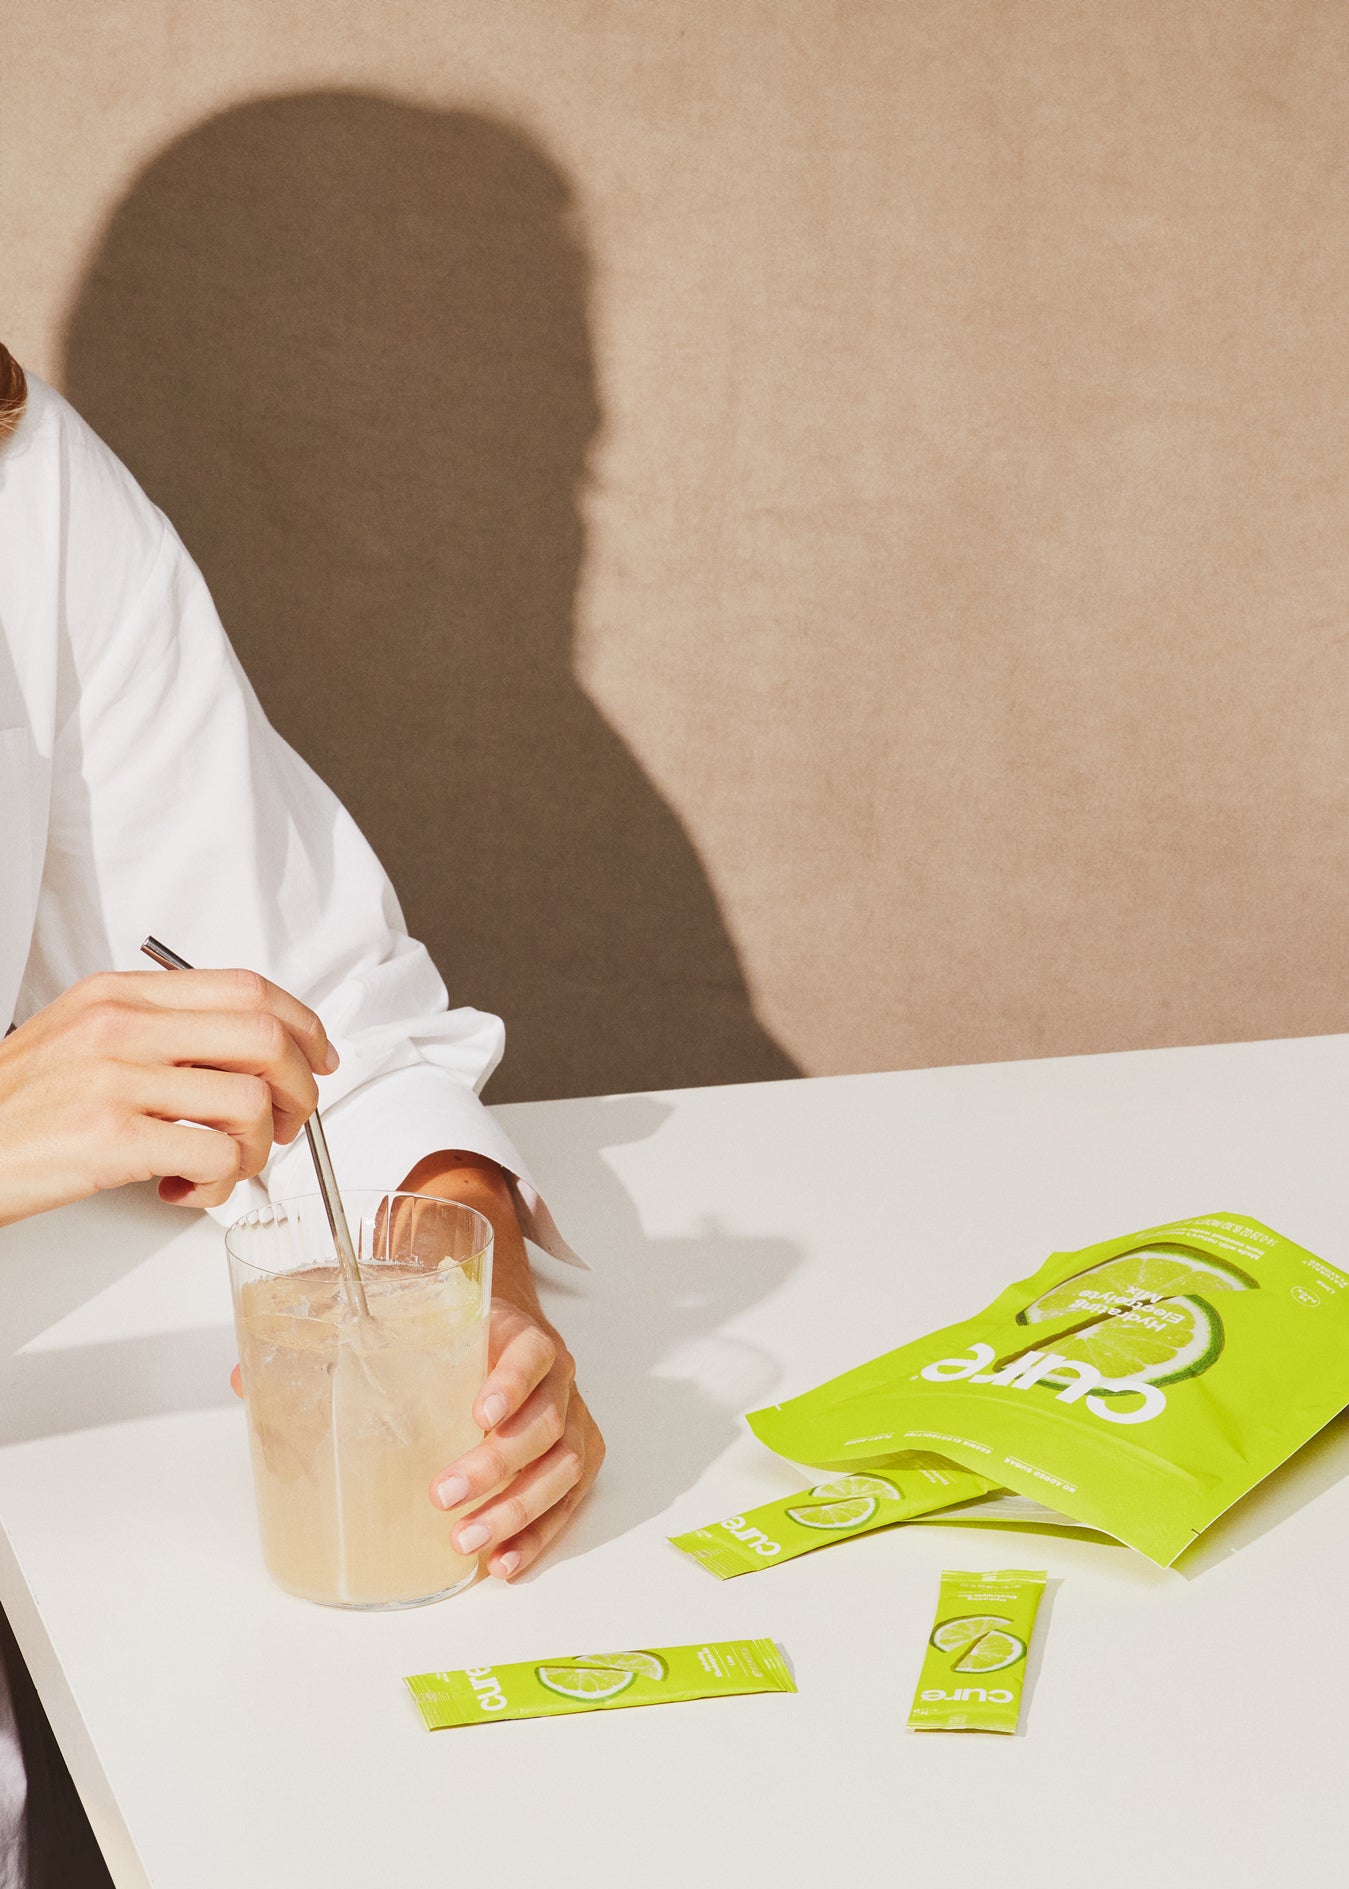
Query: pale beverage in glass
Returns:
{"type": "Point", "coordinates": [350, 1417]}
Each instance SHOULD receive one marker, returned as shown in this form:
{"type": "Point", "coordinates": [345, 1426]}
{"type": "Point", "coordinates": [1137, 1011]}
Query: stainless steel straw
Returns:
{"type": "Point", "coordinates": [323, 1166]}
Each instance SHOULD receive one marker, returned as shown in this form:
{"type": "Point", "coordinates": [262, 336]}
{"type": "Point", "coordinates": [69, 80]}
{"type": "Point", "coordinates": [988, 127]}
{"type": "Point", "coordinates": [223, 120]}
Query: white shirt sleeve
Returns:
{"type": "Point", "coordinates": [178, 810]}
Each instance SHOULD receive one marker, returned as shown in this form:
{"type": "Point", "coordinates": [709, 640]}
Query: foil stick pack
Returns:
{"type": "Point", "coordinates": [596, 1682]}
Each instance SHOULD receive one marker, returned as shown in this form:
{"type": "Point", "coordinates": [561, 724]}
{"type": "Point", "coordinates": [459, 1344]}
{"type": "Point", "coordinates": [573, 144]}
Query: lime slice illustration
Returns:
{"type": "Point", "coordinates": [1148, 1273]}
{"type": "Point", "coordinates": [858, 1508]}
{"type": "Point", "coordinates": [593, 1684]}
{"type": "Point", "coordinates": [649, 1665]}
{"type": "Point", "coordinates": [1152, 1344]}
{"type": "Point", "coordinates": [857, 1485]}
{"type": "Point", "coordinates": [990, 1654]}
{"type": "Point", "coordinates": [952, 1636]}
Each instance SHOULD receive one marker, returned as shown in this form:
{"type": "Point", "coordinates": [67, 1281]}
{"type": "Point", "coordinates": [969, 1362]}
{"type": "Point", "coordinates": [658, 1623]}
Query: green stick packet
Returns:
{"type": "Point", "coordinates": [975, 1664]}
{"type": "Point", "coordinates": [1140, 1386]}
{"type": "Point", "coordinates": [904, 1487]}
{"type": "Point", "coordinates": [598, 1682]}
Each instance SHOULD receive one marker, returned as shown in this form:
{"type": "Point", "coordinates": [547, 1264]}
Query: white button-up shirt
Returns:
{"type": "Point", "coordinates": [142, 790]}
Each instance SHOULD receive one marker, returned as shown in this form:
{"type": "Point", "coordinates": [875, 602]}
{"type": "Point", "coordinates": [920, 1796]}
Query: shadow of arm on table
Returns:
{"type": "Point", "coordinates": [57, 1392]}
{"type": "Point", "coordinates": [652, 1327]}
{"type": "Point", "coordinates": [667, 1384]}
{"type": "Point", "coordinates": [115, 1260]}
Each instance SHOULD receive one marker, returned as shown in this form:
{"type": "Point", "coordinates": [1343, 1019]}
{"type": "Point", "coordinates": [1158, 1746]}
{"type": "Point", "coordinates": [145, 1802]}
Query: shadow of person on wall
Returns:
{"type": "Point", "coordinates": [344, 342]}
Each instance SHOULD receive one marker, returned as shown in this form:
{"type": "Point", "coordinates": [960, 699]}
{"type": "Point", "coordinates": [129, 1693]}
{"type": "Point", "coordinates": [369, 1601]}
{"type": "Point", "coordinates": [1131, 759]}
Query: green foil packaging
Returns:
{"type": "Point", "coordinates": [1140, 1386]}
{"type": "Point", "coordinates": [599, 1682]}
{"type": "Point", "coordinates": [975, 1664]}
{"type": "Point", "coordinates": [896, 1491]}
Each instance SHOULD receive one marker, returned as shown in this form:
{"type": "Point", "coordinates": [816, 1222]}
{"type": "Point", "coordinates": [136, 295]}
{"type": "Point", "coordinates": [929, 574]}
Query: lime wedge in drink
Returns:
{"type": "Point", "coordinates": [649, 1665]}
{"type": "Point", "coordinates": [857, 1508]}
{"type": "Point", "coordinates": [990, 1654]}
{"type": "Point", "coordinates": [1152, 1344]}
{"type": "Point", "coordinates": [1148, 1273]}
{"type": "Point", "coordinates": [965, 1629]}
{"type": "Point", "coordinates": [591, 1683]}
{"type": "Point", "coordinates": [856, 1485]}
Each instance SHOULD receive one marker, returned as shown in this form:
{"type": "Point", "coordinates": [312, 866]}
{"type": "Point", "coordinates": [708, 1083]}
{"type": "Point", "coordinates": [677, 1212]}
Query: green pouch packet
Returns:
{"type": "Point", "coordinates": [1001, 1510]}
{"type": "Point", "coordinates": [599, 1682]}
{"type": "Point", "coordinates": [975, 1664]}
{"type": "Point", "coordinates": [903, 1487]}
{"type": "Point", "coordinates": [1140, 1386]}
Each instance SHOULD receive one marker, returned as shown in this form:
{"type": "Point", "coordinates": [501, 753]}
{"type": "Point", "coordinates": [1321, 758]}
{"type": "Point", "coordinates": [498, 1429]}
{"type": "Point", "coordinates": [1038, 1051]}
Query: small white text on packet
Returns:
{"type": "Point", "coordinates": [998, 1696]}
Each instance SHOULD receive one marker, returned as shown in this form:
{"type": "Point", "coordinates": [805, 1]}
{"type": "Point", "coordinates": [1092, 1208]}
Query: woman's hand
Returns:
{"type": "Point", "coordinates": [542, 1448]}
{"type": "Point", "coordinates": [541, 1452]}
{"type": "Point", "coordinates": [100, 1087]}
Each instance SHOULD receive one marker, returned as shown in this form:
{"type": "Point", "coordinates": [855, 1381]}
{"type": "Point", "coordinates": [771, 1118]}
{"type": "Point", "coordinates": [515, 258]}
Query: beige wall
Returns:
{"type": "Point", "coordinates": [810, 534]}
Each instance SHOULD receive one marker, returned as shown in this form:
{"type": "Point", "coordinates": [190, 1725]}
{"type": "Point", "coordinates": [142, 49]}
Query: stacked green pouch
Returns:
{"type": "Point", "coordinates": [1139, 1386]}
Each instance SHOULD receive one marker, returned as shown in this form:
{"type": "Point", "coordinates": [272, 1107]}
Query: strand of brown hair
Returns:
{"type": "Point", "coordinates": [13, 391]}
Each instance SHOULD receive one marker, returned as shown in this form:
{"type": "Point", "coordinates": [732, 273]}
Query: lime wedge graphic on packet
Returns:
{"type": "Point", "coordinates": [649, 1665]}
{"type": "Point", "coordinates": [590, 1683]}
{"type": "Point", "coordinates": [858, 1508]}
{"type": "Point", "coordinates": [977, 1643]}
{"type": "Point", "coordinates": [953, 1635]}
{"type": "Point", "coordinates": [990, 1654]}
{"type": "Point", "coordinates": [915, 1483]}
{"type": "Point", "coordinates": [1152, 1344]}
{"type": "Point", "coordinates": [1147, 1273]}
{"type": "Point", "coordinates": [857, 1485]}
{"type": "Point", "coordinates": [567, 1685]}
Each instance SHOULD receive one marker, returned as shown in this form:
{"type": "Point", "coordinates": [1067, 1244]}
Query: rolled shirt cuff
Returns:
{"type": "Point", "coordinates": [378, 1133]}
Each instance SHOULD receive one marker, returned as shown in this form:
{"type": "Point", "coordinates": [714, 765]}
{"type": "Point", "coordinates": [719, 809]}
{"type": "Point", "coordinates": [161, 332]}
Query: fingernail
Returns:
{"type": "Point", "coordinates": [470, 1539]}
{"type": "Point", "coordinates": [331, 1060]}
{"type": "Point", "coordinates": [494, 1409]}
{"type": "Point", "coordinates": [451, 1492]}
{"type": "Point", "coordinates": [507, 1564]}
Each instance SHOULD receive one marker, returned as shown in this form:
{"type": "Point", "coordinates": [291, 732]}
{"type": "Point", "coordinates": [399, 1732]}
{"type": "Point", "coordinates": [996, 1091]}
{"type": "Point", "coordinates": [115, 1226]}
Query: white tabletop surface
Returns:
{"type": "Point", "coordinates": [1184, 1726]}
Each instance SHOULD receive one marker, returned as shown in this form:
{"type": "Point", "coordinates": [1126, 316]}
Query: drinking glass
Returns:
{"type": "Point", "coordinates": [351, 1417]}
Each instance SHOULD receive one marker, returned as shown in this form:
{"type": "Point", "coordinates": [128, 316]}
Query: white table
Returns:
{"type": "Point", "coordinates": [1184, 1726]}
